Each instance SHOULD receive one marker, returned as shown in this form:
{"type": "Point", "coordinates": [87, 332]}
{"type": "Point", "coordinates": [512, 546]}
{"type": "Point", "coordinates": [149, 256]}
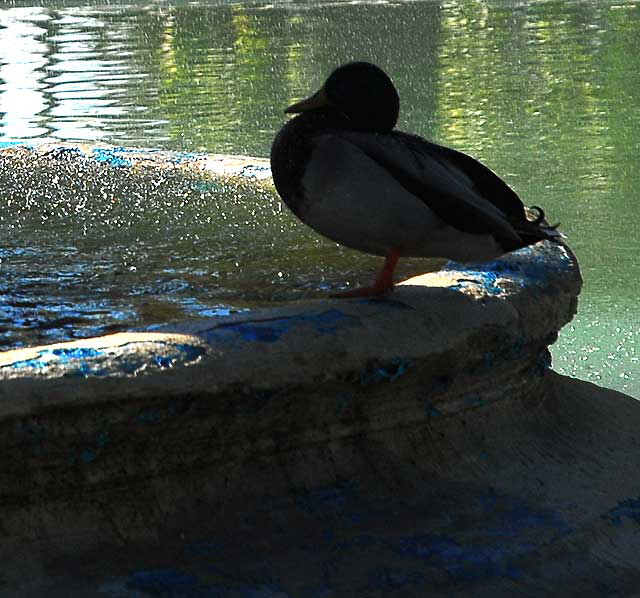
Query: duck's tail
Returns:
{"type": "Point", "coordinates": [550, 230]}
{"type": "Point", "coordinates": [536, 228]}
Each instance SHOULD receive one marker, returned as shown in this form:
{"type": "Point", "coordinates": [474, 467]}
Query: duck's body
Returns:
{"type": "Point", "coordinates": [346, 173]}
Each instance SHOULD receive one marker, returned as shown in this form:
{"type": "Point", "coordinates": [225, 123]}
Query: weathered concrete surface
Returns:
{"type": "Point", "coordinates": [527, 497]}
{"type": "Point", "coordinates": [413, 445]}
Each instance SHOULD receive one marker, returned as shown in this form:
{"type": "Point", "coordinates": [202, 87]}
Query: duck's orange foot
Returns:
{"type": "Point", "coordinates": [383, 283]}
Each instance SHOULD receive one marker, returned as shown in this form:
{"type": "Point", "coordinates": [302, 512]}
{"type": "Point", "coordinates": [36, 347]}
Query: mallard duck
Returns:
{"type": "Point", "coordinates": [344, 170]}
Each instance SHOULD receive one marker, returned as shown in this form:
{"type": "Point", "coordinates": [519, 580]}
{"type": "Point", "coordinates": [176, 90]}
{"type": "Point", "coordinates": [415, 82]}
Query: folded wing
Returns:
{"type": "Point", "coordinates": [459, 189]}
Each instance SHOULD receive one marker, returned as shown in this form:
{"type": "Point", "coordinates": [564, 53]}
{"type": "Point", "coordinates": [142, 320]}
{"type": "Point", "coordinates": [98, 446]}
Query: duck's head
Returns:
{"type": "Point", "coordinates": [361, 93]}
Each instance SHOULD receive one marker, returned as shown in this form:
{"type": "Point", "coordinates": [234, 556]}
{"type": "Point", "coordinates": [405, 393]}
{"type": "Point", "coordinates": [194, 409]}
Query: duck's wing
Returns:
{"type": "Point", "coordinates": [459, 189]}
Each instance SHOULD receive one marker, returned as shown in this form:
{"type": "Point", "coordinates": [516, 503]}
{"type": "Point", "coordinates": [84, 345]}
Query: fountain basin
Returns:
{"type": "Point", "coordinates": [412, 444]}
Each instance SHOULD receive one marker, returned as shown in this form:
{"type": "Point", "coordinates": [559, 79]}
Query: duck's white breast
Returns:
{"type": "Point", "coordinates": [351, 199]}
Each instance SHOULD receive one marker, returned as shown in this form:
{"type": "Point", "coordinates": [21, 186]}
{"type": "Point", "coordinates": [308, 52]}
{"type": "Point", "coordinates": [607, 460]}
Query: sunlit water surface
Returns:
{"type": "Point", "coordinates": [546, 93]}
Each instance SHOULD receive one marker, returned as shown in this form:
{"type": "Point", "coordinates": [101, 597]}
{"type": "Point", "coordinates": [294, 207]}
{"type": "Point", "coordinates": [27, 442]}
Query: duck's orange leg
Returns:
{"type": "Point", "coordinates": [383, 282]}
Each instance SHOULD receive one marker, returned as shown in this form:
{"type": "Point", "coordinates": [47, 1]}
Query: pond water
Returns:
{"type": "Point", "coordinates": [546, 93]}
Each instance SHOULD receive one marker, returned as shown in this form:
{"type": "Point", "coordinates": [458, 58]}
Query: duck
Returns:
{"type": "Point", "coordinates": [341, 166]}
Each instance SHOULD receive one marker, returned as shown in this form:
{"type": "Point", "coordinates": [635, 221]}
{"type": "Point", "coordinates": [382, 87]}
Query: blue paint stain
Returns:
{"type": "Point", "coordinates": [500, 538]}
{"type": "Point", "coordinates": [256, 171]}
{"type": "Point", "coordinates": [508, 516]}
{"type": "Point", "coordinates": [163, 582]}
{"type": "Point", "coordinates": [163, 361]}
{"type": "Point", "coordinates": [525, 267]}
{"type": "Point", "coordinates": [44, 358]}
{"type": "Point", "coordinates": [486, 537]}
{"type": "Point", "coordinates": [486, 280]}
{"type": "Point", "coordinates": [90, 455]}
{"type": "Point", "coordinates": [324, 591]}
{"type": "Point", "coordinates": [111, 156]}
{"type": "Point", "coordinates": [81, 361]}
{"type": "Point", "coordinates": [181, 157]}
{"type": "Point", "coordinates": [253, 332]}
{"type": "Point", "coordinates": [389, 372]}
{"type": "Point", "coordinates": [7, 144]}
{"type": "Point", "coordinates": [76, 353]}
{"type": "Point", "coordinates": [269, 331]}
{"type": "Point", "coordinates": [628, 508]}
{"type": "Point", "coordinates": [461, 562]}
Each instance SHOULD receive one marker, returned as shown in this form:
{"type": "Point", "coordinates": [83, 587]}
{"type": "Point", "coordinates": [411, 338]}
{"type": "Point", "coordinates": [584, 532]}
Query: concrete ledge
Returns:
{"type": "Point", "coordinates": [441, 326]}
{"type": "Point", "coordinates": [217, 165]}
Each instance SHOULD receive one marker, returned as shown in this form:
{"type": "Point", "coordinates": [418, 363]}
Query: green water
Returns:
{"type": "Point", "coordinates": [546, 93]}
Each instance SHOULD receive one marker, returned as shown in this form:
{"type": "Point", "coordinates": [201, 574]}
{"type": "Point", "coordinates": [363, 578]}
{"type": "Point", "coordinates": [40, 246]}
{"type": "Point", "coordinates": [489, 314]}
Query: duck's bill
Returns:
{"type": "Point", "coordinates": [317, 100]}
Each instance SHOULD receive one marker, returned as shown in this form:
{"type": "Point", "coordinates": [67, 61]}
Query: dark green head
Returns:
{"type": "Point", "coordinates": [362, 93]}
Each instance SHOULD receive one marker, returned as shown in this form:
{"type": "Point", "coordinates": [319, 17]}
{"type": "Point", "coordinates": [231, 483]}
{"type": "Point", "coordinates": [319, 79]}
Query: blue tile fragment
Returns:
{"type": "Point", "coordinates": [328, 322]}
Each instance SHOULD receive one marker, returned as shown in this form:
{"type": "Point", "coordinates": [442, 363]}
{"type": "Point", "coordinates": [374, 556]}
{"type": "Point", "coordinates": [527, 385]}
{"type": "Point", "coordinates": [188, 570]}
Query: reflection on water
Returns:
{"type": "Point", "coordinates": [546, 93]}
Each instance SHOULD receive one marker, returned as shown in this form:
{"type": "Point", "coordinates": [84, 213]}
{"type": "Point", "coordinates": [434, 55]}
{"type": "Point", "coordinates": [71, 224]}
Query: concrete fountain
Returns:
{"type": "Point", "coordinates": [411, 445]}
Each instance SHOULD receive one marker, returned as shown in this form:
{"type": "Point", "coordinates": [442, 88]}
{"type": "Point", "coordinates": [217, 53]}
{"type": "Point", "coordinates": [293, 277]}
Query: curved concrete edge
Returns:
{"type": "Point", "coordinates": [218, 165]}
{"type": "Point", "coordinates": [115, 409]}
{"type": "Point", "coordinates": [505, 309]}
